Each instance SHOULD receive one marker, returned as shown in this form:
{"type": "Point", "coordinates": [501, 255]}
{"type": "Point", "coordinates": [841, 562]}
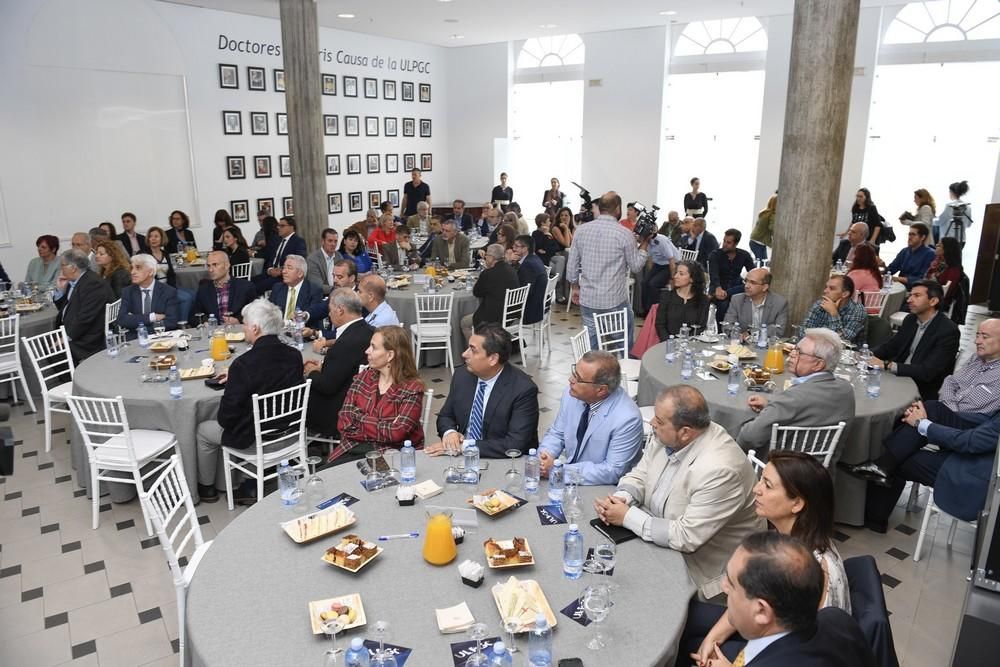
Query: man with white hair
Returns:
{"type": "Point", "coordinates": [496, 279]}
{"type": "Point", "coordinates": [816, 397]}
{"type": "Point", "coordinates": [80, 298]}
{"type": "Point", "coordinates": [268, 366]}
{"type": "Point", "coordinates": [452, 247]}
{"type": "Point", "coordinates": [421, 222]}
{"type": "Point", "coordinates": [857, 234]}
{"type": "Point", "coordinates": [294, 292]}
{"type": "Point", "coordinates": [81, 241]}
{"type": "Point", "coordinates": [147, 300]}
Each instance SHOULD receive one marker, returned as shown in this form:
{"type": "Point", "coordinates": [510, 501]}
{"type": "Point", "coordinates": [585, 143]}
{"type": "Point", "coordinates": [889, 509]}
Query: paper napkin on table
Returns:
{"type": "Point", "coordinates": [427, 489]}
{"type": "Point", "coordinates": [454, 619]}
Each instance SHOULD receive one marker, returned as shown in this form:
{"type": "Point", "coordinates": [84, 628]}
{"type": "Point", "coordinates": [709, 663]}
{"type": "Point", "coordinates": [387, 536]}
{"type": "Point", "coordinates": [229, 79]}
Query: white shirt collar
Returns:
{"type": "Point", "coordinates": [754, 647]}
{"type": "Point", "coordinates": [343, 327]}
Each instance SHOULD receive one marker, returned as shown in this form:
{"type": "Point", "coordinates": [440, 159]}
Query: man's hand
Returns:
{"type": "Point", "coordinates": [717, 659]}
{"type": "Point", "coordinates": [830, 306]}
{"type": "Point", "coordinates": [915, 413]}
{"type": "Point", "coordinates": [545, 461]}
{"type": "Point", "coordinates": [222, 377]}
{"type": "Point", "coordinates": [157, 317]}
{"type": "Point", "coordinates": [319, 345]}
{"type": "Point", "coordinates": [875, 362]}
{"type": "Point", "coordinates": [274, 272]}
{"type": "Point", "coordinates": [720, 294]}
{"type": "Point", "coordinates": [61, 283]}
{"type": "Point", "coordinates": [756, 402]}
{"type": "Point", "coordinates": [230, 320]}
{"type": "Point", "coordinates": [310, 366]}
{"type": "Point", "coordinates": [611, 510]}
{"type": "Point", "coordinates": [451, 443]}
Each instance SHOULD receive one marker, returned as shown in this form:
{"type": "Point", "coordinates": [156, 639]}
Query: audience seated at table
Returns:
{"type": "Point", "coordinates": [288, 243]}
{"type": "Point", "coordinates": [865, 274]}
{"type": "Point", "coordinates": [973, 387]}
{"type": "Point", "coordinates": [489, 226]}
{"type": "Point", "coordinates": [164, 265]}
{"type": "Point", "coordinates": [384, 233]}
{"type": "Point", "coordinates": [598, 427]}
{"type": "Point", "coordinates": [420, 222]}
{"type": "Point", "coordinates": [531, 271]}
{"type": "Point", "coordinates": [44, 269]}
{"type": "Point", "coordinates": [363, 227]}
{"type": "Point", "coordinates": [266, 240]}
{"type": "Point", "coordinates": [912, 262]}
{"type": "Point", "coordinates": [178, 231]}
{"type": "Point", "coordinates": [692, 491]}
{"type": "Point", "coordinates": [795, 496]}
{"type": "Point", "coordinates": [686, 303]}
{"type": "Point", "coordinates": [663, 257]}
{"type": "Point", "coordinates": [294, 292]}
{"type": "Point", "coordinates": [353, 247]}
{"type": "Point", "coordinates": [320, 261]}
{"type": "Point", "coordinates": [220, 293]}
{"type": "Point", "coordinates": [147, 301]}
{"type": "Point", "coordinates": [332, 378]}
{"type": "Point", "coordinates": [838, 311]}
{"type": "Point", "coordinates": [382, 407]}
{"type": "Point", "coordinates": [816, 397]}
{"type": "Point", "coordinates": [451, 247]}
{"type": "Point", "coordinates": [80, 297]}
{"type": "Point", "coordinates": [372, 293]}
{"type": "Point", "coordinates": [946, 268]}
{"type": "Point", "coordinates": [113, 266]}
{"type": "Point", "coordinates": [345, 275]}
{"type": "Point", "coordinates": [758, 305]}
{"type": "Point", "coordinates": [697, 238]}
{"type": "Point", "coordinates": [857, 236]}
{"type": "Point", "coordinates": [220, 223]}
{"type": "Point", "coordinates": [725, 270]}
{"type": "Point", "coordinates": [268, 366]}
{"type": "Point", "coordinates": [82, 242]}
{"type": "Point", "coordinates": [234, 245]}
{"type": "Point", "coordinates": [401, 254]}
{"type": "Point", "coordinates": [461, 218]}
{"type": "Point", "coordinates": [674, 227]}
{"type": "Point", "coordinates": [491, 289]}
{"type": "Point", "coordinates": [490, 401]}
{"type": "Point", "coordinates": [132, 241]}
{"type": "Point", "coordinates": [926, 344]}
{"type": "Point", "coordinates": [427, 247]}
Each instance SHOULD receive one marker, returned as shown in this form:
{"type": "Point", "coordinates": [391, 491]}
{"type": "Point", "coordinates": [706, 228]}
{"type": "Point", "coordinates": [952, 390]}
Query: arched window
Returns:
{"type": "Point", "coordinates": [945, 21]}
{"type": "Point", "coordinates": [737, 35]}
{"type": "Point", "coordinates": [555, 51]}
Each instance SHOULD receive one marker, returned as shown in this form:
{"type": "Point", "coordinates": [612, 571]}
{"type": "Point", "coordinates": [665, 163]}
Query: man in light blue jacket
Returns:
{"type": "Point", "coordinates": [598, 427]}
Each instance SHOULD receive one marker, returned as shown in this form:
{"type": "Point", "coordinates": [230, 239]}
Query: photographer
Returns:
{"type": "Point", "coordinates": [664, 254]}
{"type": "Point", "coordinates": [956, 216]}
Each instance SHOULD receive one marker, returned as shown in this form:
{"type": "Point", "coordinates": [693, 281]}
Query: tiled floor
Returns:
{"type": "Point", "coordinates": [69, 594]}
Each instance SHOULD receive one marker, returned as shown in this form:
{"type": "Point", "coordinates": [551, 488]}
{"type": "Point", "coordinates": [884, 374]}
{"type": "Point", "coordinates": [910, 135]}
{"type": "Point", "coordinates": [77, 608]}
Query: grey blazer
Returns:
{"type": "Point", "coordinates": [462, 255]}
{"type": "Point", "coordinates": [316, 272]}
{"type": "Point", "coordinates": [775, 311]}
{"type": "Point", "coordinates": [823, 400]}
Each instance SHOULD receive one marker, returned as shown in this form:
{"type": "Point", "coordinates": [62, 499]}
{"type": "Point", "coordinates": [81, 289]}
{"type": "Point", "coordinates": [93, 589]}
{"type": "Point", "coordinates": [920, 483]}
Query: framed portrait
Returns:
{"type": "Point", "coordinates": [256, 78]}
{"type": "Point", "coordinates": [240, 210]}
{"type": "Point", "coordinates": [407, 91]}
{"type": "Point", "coordinates": [408, 127]}
{"type": "Point", "coordinates": [374, 198]}
{"type": "Point", "coordinates": [281, 122]}
{"type": "Point", "coordinates": [371, 88]}
{"type": "Point", "coordinates": [391, 163]}
{"type": "Point", "coordinates": [409, 161]}
{"type": "Point", "coordinates": [229, 76]}
{"type": "Point", "coordinates": [279, 80]}
{"type": "Point", "coordinates": [266, 204]}
{"type": "Point", "coordinates": [333, 165]}
{"type": "Point", "coordinates": [258, 122]}
{"type": "Point", "coordinates": [350, 86]}
{"type": "Point", "coordinates": [284, 166]}
{"type": "Point", "coordinates": [353, 163]}
{"type": "Point", "coordinates": [388, 89]}
{"type": "Point", "coordinates": [334, 203]}
{"type": "Point", "coordinates": [393, 197]}
{"type": "Point", "coordinates": [329, 84]}
{"type": "Point", "coordinates": [354, 202]}
{"type": "Point", "coordinates": [426, 163]}
{"type": "Point", "coordinates": [262, 166]}
{"type": "Point", "coordinates": [371, 126]}
{"type": "Point", "coordinates": [425, 127]}
{"type": "Point", "coordinates": [236, 167]}
{"type": "Point", "coordinates": [331, 124]}
{"type": "Point", "coordinates": [287, 206]}
{"type": "Point", "coordinates": [425, 92]}
{"type": "Point", "coordinates": [390, 126]}
{"type": "Point", "coordinates": [232, 122]}
{"type": "Point", "coordinates": [373, 163]}
{"type": "Point", "coordinates": [351, 126]}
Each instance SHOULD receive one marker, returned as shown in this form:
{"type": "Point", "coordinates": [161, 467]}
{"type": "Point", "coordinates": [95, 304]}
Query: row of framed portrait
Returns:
{"type": "Point", "coordinates": [236, 164]}
{"type": "Point", "coordinates": [240, 208]}
{"type": "Point", "coordinates": [229, 77]}
{"type": "Point", "coordinates": [232, 123]}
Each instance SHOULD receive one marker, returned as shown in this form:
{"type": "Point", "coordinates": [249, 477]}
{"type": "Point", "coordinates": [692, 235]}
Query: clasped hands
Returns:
{"type": "Point", "coordinates": [611, 509]}
{"type": "Point", "coordinates": [915, 413]}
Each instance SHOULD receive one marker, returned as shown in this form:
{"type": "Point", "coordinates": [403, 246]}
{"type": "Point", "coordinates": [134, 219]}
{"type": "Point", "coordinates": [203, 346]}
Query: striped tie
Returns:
{"type": "Point", "coordinates": [475, 430]}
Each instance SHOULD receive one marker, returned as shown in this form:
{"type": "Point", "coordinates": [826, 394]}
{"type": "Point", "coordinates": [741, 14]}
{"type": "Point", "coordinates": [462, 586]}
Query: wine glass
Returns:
{"type": "Point", "coordinates": [513, 479]}
{"type": "Point", "coordinates": [182, 325]}
{"type": "Point", "coordinates": [606, 553]}
{"type": "Point", "coordinates": [315, 488]}
{"type": "Point", "coordinates": [382, 657]}
{"type": "Point", "coordinates": [160, 327]}
{"type": "Point", "coordinates": [596, 605]}
{"type": "Point", "coordinates": [331, 628]}
{"type": "Point", "coordinates": [511, 626]}
{"type": "Point", "coordinates": [477, 633]}
{"type": "Point", "coordinates": [695, 328]}
{"type": "Point", "coordinates": [572, 505]}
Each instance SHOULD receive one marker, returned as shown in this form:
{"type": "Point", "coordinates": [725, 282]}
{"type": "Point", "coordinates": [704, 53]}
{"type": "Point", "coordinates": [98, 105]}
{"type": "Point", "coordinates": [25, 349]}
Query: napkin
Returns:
{"type": "Point", "coordinates": [454, 619]}
{"type": "Point", "coordinates": [471, 570]}
{"type": "Point", "coordinates": [427, 489]}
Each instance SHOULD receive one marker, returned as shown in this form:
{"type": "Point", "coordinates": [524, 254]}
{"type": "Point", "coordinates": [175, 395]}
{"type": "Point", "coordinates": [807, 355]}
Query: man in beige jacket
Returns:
{"type": "Point", "coordinates": [692, 491]}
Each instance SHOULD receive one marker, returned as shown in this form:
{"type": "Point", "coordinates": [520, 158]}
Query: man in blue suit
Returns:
{"type": "Point", "coordinates": [294, 292]}
{"type": "Point", "coordinates": [146, 300]}
{"type": "Point", "coordinates": [598, 426]}
{"type": "Point", "coordinates": [220, 293]}
{"type": "Point", "coordinates": [289, 243]}
{"type": "Point", "coordinates": [531, 271]}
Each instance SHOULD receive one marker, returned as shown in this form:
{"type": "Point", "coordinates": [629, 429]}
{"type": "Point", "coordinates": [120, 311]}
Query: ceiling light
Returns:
{"type": "Point", "coordinates": [546, 26]}
{"type": "Point", "coordinates": [668, 12]}
{"type": "Point", "coordinates": [345, 16]}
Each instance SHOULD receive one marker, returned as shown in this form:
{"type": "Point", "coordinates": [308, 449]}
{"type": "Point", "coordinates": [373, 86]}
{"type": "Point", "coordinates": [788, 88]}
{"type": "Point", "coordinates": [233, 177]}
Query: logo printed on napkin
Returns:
{"type": "Point", "coordinates": [460, 651]}
{"type": "Point", "coordinates": [550, 515]}
{"type": "Point", "coordinates": [401, 652]}
{"type": "Point", "coordinates": [574, 610]}
{"type": "Point", "coordinates": [345, 498]}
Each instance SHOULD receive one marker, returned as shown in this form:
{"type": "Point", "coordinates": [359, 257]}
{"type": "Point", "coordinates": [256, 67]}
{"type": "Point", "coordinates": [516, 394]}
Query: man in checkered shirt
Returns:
{"type": "Point", "coordinates": [976, 386]}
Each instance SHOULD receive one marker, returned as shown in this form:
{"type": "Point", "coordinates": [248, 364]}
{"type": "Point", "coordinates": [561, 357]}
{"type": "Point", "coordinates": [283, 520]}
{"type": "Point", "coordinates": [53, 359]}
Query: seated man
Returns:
{"type": "Point", "coordinates": [704, 242]}
{"type": "Point", "coordinates": [490, 289]}
{"type": "Point", "coordinates": [857, 234]}
{"type": "Point", "coordinates": [320, 261]}
{"type": "Point", "coordinates": [268, 366]}
{"type": "Point", "coordinates": [402, 253]}
{"type": "Point", "coordinates": [598, 426]}
{"type": "Point", "coordinates": [294, 292]}
{"type": "Point", "coordinates": [332, 379]}
{"type": "Point", "coordinates": [490, 401]}
{"type": "Point", "coordinates": [725, 271]}
{"type": "Point", "coordinates": [838, 311]}
{"type": "Point", "coordinates": [427, 247]}
{"type": "Point", "coordinates": [912, 262]}
{"type": "Point", "coordinates": [451, 247]}
{"type": "Point", "coordinates": [461, 218]}
{"type": "Point", "coordinates": [758, 304]}
{"type": "Point", "coordinates": [289, 243]}
{"type": "Point", "coordinates": [816, 397]}
{"type": "Point", "coordinates": [664, 255]}
{"type": "Point", "coordinates": [973, 387]}
{"type": "Point", "coordinates": [147, 300]}
{"type": "Point", "coordinates": [220, 293]}
{"type": "Point", "coordinates": [372, 294]}
{"type": "Point", "coordinates": [83, 314]}
{"type": "Point", "coordinates": [692, 491]}
{"type": "Point", "coordinates": [926, 344]}
{"type": "Point", "coordinates": [531, 271]}
{"type": "Point", "coordinates": [421, 221]}
{"type": "Point", "coordinates": [345, 275]}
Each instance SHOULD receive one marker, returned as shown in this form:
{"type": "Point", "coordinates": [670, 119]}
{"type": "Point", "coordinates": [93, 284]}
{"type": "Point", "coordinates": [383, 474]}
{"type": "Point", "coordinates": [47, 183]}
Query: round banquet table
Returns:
{"type": "Point", "coordinates": [862, 438]}
{"type": "Point", "coordinates": [189, 276]}
{"type": "Point", "coordinates": [897, 295]}
{"type": "Point", "coordinates": [463, 303]}
{"type": "Point", "coordinates": [248, 600]}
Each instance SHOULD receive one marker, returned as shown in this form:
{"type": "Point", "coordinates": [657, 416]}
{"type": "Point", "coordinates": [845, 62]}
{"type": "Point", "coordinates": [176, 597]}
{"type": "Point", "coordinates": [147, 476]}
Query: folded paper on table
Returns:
{"type": "Point", "coordinates": [454, 619]}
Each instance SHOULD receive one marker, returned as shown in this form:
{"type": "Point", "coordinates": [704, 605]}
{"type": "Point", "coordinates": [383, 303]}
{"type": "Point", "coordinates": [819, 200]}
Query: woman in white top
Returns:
{"type": "Point", "coordinates": [926, 208]}
{"type": "Point", "coordinates": [956, 216]}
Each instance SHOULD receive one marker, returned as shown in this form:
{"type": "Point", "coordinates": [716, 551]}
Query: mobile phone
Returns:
{"type": "Point", "coordinates": [570, 662]}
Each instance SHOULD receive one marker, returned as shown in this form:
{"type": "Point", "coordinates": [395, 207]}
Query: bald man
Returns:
{"type": "Point", "coordinates": [856, 235]}
{"type": "Point", "coordinates": [758, 304]}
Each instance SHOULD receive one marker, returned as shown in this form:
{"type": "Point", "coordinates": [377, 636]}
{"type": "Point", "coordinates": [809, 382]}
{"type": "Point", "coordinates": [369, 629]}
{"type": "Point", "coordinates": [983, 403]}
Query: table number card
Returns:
{"type": "Point", "coordinates": [460, 651]}
{"type": "Point", "coordinates": [574, 610]}
{"type": "Point", "coordinates": [550, 515]}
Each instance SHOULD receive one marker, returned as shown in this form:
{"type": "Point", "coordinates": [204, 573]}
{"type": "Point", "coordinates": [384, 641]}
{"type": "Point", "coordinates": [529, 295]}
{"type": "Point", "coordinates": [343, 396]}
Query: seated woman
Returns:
{"type": "Point", "coordinates": [865, 273]}
{"type": "Point", "coordinates": [687, 303]}
{"type": "Point", "coordinates": [353, 247]}
{"type": "Point", "coordinates": [44, 269]}
{"type": "Point", "coordinates": [263, 238]}
{"type": "Point", "coordinates": [795, 495]}
{"type": "Point", "coordinates": [235, 245]}
{"type": "Point", "coordinates": [946, 267]}
{"type": "Point", "coordinates": [114, 266]}
{"type": "Point", "coordinates": [223, 221]}
{"type": "Point", "coordinates": [155, 239]}
{"type": "Point", "coordinates": [179, 232]}
{"type": "Point", "coordinates": [382, 408]}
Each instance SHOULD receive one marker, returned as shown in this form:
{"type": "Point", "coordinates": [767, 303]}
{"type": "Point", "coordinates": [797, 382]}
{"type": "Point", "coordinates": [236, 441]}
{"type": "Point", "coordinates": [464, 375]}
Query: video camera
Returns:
{"type": "Point", "coordinates": [586, 213]}
{"type": "Point", "coordinates": [645, 225]}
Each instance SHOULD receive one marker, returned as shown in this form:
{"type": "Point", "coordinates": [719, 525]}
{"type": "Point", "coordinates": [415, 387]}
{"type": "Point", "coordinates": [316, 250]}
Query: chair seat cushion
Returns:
{"type": "Point", "coordinates": [146, 443]}
{"type": "Point", "coordinates": [430, 330]}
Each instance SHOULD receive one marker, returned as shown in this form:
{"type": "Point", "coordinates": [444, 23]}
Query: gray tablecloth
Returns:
{"type": "Point", "coordinates": [188, 277]}
{"type": "Point", "coordinates": [463, 303]}
{"type": "Point", "coordinates": [248, 601]}
{"type": "Point", "coordinates": [861, 440]}
{"type": "Point", "coordinates": [897, 295]}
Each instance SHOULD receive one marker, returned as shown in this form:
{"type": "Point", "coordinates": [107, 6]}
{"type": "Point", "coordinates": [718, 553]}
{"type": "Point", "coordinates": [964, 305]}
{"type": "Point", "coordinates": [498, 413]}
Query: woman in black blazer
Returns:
{"type": "Point", "coordinates": [235, 245]}
{"type": "Point", "coordinates": [178, 231]}
{"type": "Point", "coordinates": [687, 303]}
{"type": "Point", "coordinates": [155, 238]}
{"type": "Point", "coordinates": [222, 221]}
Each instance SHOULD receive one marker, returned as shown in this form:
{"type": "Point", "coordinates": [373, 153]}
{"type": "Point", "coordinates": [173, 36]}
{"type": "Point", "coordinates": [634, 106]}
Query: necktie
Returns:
{"type": "Point", "coordinates": [475, 430]}
{"type": "Point", "coordinates": [740, 659]}
{"type": "Point", "coordinates": [290, 304]}
{"type": "Point", "coordinates": [277, 255]}
{"type": "Point", "coordinates": [581, 430]}
{"type": "Point", "coordinates": [146, 305]}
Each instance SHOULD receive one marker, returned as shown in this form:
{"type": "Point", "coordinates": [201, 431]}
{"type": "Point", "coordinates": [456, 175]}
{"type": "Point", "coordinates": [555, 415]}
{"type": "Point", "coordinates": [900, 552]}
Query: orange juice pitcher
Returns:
{"type": "Point", "coordinates": [439, 543]}
{"type": "Point", "coordinates": [192, 254]}
{"type": "Point", "coordinates": [219, 348]}
{"type": "Point", "coordinates": [774, 360]}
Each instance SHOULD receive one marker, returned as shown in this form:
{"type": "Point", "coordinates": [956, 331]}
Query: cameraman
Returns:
{"type": "Point", "coordinates": [600, 260]}
{"type": "Point", "coordinates": [956, 216]}
{"type": "Point", "coordinates": [663, 253]}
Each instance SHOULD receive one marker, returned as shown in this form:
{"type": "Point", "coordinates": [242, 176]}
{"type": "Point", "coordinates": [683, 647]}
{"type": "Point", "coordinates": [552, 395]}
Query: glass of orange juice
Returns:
{"type": "Point", "coordinates": [439, 543]}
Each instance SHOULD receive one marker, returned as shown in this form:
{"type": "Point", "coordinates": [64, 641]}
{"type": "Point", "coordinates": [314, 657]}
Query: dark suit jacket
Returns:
{"type": "Point", "coordinates": [837, 641]}
{"type": "Point", "coordinates": [164, 300]}
{"type": "Point", "coordinates": [962, 483]}
{"type": "Point", "coordinates": [510, 419]}
{"type": "Point", "coordinates": [533, 272]}
{"type": "Point", "coordinates": [464, 223]}
{"type": "Point", "coordinates": [118, 281]}
{"type": "Point", "coordinates": [331, 382]}
{"type": "Point", "coordinates": [268, 366]}
{"type": "Point", "coordinates": [934, 358]}
{"type": "Point", "coordinates": [172, 239]}
{"type": "Point", "coordinates": [491, 287]}
{"type": "Point", "coordinates": [308, 295]}
{"type": "Point", "coordinates": [127, 243]}
{"type": "Point", "coordinates": [83, 315]}
{"type": "Point", "coordinates": [840, 252]}
{"type": "Point", "coordinates": [708, 245]}
{"type": "Point", "coordinates": [206, 301]}
{"type": "Point", "coordinates": [295, 245]}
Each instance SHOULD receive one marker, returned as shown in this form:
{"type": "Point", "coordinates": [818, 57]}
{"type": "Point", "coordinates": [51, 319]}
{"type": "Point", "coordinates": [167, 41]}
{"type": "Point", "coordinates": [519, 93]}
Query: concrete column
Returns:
{"type": "Point", "coordinates": [300, 51]}
{"type": "Point", "coordinates": [819, 95]}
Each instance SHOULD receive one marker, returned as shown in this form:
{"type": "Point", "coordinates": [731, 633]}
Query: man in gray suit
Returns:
{"type": "Point", "coordinates": [451, 247]}
{"type": "Point", "coordinates": [320, 262]}
{"type": "Point", "coordinates": [816, 397]}
{"type": "Point", "coordinates": [758, 304]}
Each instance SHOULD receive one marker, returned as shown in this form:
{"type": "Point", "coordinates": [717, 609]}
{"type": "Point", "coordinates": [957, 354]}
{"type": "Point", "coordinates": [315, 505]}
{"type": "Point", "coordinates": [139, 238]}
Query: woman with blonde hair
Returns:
{"type": "Point", "coordinates": [114, 266]}
{"type": "Point", "coordinates": [762, 236]}
{"type": "Point", "coordinates": [926, 208]}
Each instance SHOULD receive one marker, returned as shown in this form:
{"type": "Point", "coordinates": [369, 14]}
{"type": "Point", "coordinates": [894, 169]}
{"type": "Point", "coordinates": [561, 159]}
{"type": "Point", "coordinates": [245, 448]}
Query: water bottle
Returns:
{"type": "Point", "coordinates": [556, 482]}
{"type": "Point", "coordinates": [540, 643]}
{"type": "Point", "coordinates": [572, 553]}
{"type": "Point", "coordinates": [840, 266]}
{"type": "Point", "coordinates": [174, 380]}
{"type": "Point", "coordinates": [143, 335]}
{"type": "Point", "coordinates": [213, 323]}
{"type": "Point", "coordinates": [532, 468]}
{"type": "Point", "coordinates": [671, 353]}
{"type": "Point", "coordinates": [471, 453]}
{"type": "Point", "coordinates": [288, 483]}
{"type": "Point", "coordinates": [687, 366]}
{"type": "Point", "coordinates": [357, 654]}
{"type": "Point", "coordinates": [762, 337]}
{"type": "Point", "coordinates": [111, 343]}
{"type": "Point", "coordinates": [735, 375]}
{"type": "Point", "coordinates": [501, 657]}
{"type": "Point", "coordinates": [874, 383]}
{"type": "Point", "coordinates": [685, 331]}
{"type": "Point", "coordinates": [407, 463]}
{"type": "Point", "coordinates": [886, 282]}
{"type": "Point", "coordinates": [864, 357]}
{"type": "Point", "coordinates": [297, 339]}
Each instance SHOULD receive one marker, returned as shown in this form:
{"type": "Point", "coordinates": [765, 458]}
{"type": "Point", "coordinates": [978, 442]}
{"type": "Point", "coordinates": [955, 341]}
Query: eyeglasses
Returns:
{"type": "Point", "coordinates": [752, 282]}
{"type": "Point", "coordinates": [576, 377]}
{"type": "Point", "coordinates": [798, 350]}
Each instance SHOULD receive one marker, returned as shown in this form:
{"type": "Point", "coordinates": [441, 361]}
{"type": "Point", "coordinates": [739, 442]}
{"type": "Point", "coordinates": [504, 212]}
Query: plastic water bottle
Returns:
{"type": "Point", "coordinates": [886, 282]}
{"type": "Point", "coordinates": [735, 375]}
{"type": "Point", "coordinates": [840, 266]}
{"type": "Point", "coordinates": [874, 382]}
{"type": "Point", "coordinates": [213, 323]}
{"type": "Point", "coordinates": [864, 357]}
{"type": "Point", "coordinates": [288, 484]}
{"type": "Point", "coordinates": [297, 339]}
{"type": "Point", "coordinates": [762, 337]}
{"type": "Point", "coordinates": [572, 553]}
{"type": "Point", "coordinates": [143, 335]}
{"type": "Point", "coordinates": [540, 643]}
{"type": "Point", "coordinates": [407, 463]}
{"type": "Point", "coordinates": [471, 454]}
{"type": "Point", "coordinates": [532, 474]}
{"type": "Point", "coordinates": [357, 654]}
{"type": "Point", "coordinates": [687, 366]}
{"type": "Point", "coordinates": [556, 482]}
{"type": "Point", "coordinates": [501, 657]}
{"type": "Point", "coordinates": [174, 381]}
{"type": "Point", "coordinates": [671, 353]}
{"type": "Point", "coordinates": [111, 343]}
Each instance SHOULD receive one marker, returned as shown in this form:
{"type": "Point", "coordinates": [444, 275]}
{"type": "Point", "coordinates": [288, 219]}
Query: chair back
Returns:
{"type": "Point", "coordinates": [689, 255]}
{"type": "Point", "coordinates": [550, 296]}
{"type": "Point", "coordinates": [758, 465]}
{"type": "Point", "coordinates": [279, 419]}
{"type": "Point", "coordinates": [612, 332]}
{"type": "Point", "coordinates": [868, 608]}
{"type": "Point", "coordinates": [171, 509]}
{"type": "Point", "coordinates": [820, 441]}
{"type": "Point", "coordinates": [104, 426]}
{"type": "Point", "coordinates": [111, 313]}
{"type": "Point", "coordinates": [580, 343]}
{"type": "Point", "coordinates": [513, 308]}
{"type": "Point", "coordinates": [50, 357]}
{"type": "Point", "coordinates": [873, 301]}
{"type": "Point", "coordinates": [434, 308]}
{"type": "Point", "coordinates": [375, 256]}
{"type": "Point", "coordinates": [241, 271]}
{"type": "Point", "coordinates": [10, 352]}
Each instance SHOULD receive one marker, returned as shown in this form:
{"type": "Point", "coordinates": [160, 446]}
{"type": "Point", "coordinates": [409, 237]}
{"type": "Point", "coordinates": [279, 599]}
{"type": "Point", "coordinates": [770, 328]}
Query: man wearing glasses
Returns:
{"type": "Point", "coordinates": [816, 397]}
{"type": "Point", "coordinates": [725, 266]}
{"type": "Point", "coordinates": [758, 304]}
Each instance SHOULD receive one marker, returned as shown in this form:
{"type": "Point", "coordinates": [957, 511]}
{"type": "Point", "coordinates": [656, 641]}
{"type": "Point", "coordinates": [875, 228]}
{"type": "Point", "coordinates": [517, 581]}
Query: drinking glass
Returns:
{"type": "Point", "coordinates": [315, 488]}
{"type": "Point", "coordinates": [572, 505]}
{"type": "Point", "coordinates": [160, 327]}
{"type": "Point", "coordinates": [332, 627]}
{"type": "Point", "coordinates": [606, 554]}
{"type": "Point", "coordinates": [511, 626]}
{"type": "Point", "coordinates": [452, 474]}
{"type": "Point", "coordinates": [478, 633]}
{"type": "Point", "coordinates": [182, 324]}
{"type": "Point", "coordinates": [695, 328]}
{"type": "Point", "coordinates": [382, 657]}
{"type": "Point", "coordinates": [513, 479]}
{"type": "Point", "coordinates": [596, 605]}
